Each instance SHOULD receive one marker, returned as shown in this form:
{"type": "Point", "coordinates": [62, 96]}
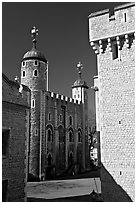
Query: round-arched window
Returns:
{"type": "Point", "coordinates": [35, 73]}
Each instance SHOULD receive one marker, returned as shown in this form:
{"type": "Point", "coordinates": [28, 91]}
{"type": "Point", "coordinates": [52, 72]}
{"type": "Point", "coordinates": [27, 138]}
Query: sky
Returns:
{"type": "Point", "coordinates": [63, 39]}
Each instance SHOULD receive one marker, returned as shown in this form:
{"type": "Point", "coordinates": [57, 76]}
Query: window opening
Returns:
{"type": "Point", "coordinates": [115, 51]}
{"type": "Point", "coordinates": [35, 72]}
{"type": "Point", "coordinates": [49, 116]}
{"type": "Point", "coordinates": [70, 120]}
{"type": "Point", "coordinates": [36, 62]}
{"type": "Point", "coordinates": [36, 132]}
{"type": "Point", "coordinates": [5, 141]}
{"type": "Point", "coordinates": [23, 73]}
{"type": "Point", "coordinates": [23, 64]}
{"type": "Point", "coordinates": [125, 17]}
{"type": "Point", "coordinates": [33, 103]}
{"type": "Point", "coordinates": [60, 118]}
{"type": "Point", "coordinates": [79, 136]}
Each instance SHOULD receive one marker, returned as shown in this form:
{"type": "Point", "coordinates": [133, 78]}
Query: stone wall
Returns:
{"type": "Point", "coordinates": [103, 25]}
{"type": "Point", "coordinates": [58, 105]}
{"type": "Point", "coordinates": [14, 163]}
{"type": "Point", "coordinates": [117, 101]}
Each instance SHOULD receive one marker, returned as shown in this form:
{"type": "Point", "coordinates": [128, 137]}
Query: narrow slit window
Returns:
{"type": "Point", "coordinates": [115, 51]}
{"type": "Point", "coordinates": [70, 120]}
{"type": "Point", "coordinates": [125, 17]}
{"type": "Point", "coordinates": [49, 116]}
{"type": "Point", "coordinates": [23, 64]}
{"type": "Point", "coordinates": [23, 74]}
{"type": "Point", "coordinates": [60, 118]}
{"type": "Point", "coordinates": [33, 103]}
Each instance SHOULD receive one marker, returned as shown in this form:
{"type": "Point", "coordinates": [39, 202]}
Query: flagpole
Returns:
{"type": "Point", "coordinates": [47, 76]}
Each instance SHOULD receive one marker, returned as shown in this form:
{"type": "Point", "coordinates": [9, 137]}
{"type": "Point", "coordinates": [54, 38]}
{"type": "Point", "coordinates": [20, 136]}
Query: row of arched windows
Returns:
{"type": "Point", "coordinates": [35, 63]}
{"type": "Point", "coordinates": [61, 134]}
{"type": "Point", "coordinates": [35, 73]}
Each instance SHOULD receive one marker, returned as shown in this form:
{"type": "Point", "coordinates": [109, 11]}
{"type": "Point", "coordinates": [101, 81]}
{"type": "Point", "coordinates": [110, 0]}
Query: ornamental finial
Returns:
{"type": "Point", "coordinates": [34, 32]}
{"type": "Point", "coordinates": [79, 68]}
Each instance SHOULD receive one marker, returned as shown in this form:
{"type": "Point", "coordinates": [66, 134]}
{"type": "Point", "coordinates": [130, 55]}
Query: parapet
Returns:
{"type": "Point", "coordinates": [107, 24]}
{"type": "Point", "coordinates": [63, 98]}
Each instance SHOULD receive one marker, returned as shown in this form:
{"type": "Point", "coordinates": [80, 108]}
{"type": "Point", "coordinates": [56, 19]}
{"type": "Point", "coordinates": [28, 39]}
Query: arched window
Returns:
{"type": "Point", "coordinates": [23, 64]}
{"type": "Point", "coordinates": [35, 73]}
{"type": "Point", "coordinates": [79, 136]}
{"type": "Point", "coordinates": [71, 136]}
{"type": "Point", "coordinates": [23, 73]}
{"type": "Point", "coordinates": [36, 63]}
{"type": "Point", "coordinates": [49, 135]}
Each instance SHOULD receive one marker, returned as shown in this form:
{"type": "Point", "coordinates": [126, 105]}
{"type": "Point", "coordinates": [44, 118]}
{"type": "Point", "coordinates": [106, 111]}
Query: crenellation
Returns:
{"type": "Point", "coordinates": [101, 26]}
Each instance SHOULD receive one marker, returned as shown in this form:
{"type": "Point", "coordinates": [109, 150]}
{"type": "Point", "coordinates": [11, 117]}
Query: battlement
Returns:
{"type": "Point", "coordinates": [107, 24]}
{"type": "Point", "coordinates": [63, 98]}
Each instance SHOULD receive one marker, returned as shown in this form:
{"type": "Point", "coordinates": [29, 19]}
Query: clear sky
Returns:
{"type": "Point", "coordinates": [63, 38]}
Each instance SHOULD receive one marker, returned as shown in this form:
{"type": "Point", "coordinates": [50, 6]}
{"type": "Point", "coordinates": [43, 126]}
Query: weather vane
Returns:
{"type": "Point", "coordinates": [79, 68]}
{"type": "Point", "coordinates": [34, 32]}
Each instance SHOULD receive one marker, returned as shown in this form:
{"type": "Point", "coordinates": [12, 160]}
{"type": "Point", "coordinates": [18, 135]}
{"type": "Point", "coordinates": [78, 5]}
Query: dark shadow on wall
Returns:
{"type": "Point", "coordinates": [111, 191]}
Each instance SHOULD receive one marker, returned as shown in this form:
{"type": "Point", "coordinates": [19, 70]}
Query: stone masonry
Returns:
{"type": "Point", "coordinates": [15, 119]}
{"type": "Point", "coordinates": [58, 124]}
{"type": "Point", "coordinates": [112, 37]}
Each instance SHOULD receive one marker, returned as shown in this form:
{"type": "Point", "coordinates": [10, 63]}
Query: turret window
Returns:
{"type": "Point", "coordinates": [24, 73]}
{"type": "Point", "coordinates": [36, 62]}
{"type": "Point", "coordinates": [23, 64]}
{"type": "Point", "coordinates": [35, 73]}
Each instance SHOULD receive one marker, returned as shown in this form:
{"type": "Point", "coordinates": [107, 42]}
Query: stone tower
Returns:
{"type": "Point", "coordinates": [111, 36]}
{"type": "Point", "coordinates": [34, 75]}
{"type": "Point", "coordinates": [79, 92]}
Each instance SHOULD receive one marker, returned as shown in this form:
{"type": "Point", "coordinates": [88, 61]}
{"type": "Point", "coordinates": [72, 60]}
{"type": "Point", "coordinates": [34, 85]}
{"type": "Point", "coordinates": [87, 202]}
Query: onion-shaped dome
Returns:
{"type": "Point", "coordinates": [34, 54]}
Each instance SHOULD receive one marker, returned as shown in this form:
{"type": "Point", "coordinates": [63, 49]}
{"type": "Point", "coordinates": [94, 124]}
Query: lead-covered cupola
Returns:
{"type": "Point", "coordinates": [79, 86]}
{"type": "Point", "coordinates": [34, 67]}
{"type": "Point", "coordinates": [34, 53]}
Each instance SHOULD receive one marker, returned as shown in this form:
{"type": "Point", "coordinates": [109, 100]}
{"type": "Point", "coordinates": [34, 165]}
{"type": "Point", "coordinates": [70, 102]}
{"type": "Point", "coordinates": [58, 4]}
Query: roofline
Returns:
{"type": "Point", "coordinates": [75, 86]}
{"type": "Point", "coordinates": [123, 6]}
{"type": "Point", "coordinates": [15, 84]}
{"type": "Point", "coordinates": [6, 78]}
{"type": "Point", "coordinates": [105, 11]}
{"type": "Point", "coordinates": [34, 58]}
{"type": "Point", "coordinates": [23, 105]}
